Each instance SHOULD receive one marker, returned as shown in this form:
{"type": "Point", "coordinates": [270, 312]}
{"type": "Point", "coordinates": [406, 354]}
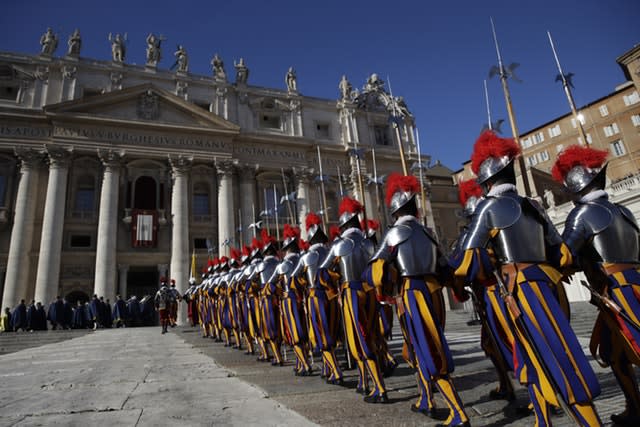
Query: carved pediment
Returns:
{"type": "Point", "coordinates": [146, 104]}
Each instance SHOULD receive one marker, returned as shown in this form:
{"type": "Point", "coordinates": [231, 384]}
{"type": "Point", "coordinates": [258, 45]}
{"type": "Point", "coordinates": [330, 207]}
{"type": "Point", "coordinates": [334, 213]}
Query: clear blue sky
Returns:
{"type": "Point", "coordinates": [436, 53]}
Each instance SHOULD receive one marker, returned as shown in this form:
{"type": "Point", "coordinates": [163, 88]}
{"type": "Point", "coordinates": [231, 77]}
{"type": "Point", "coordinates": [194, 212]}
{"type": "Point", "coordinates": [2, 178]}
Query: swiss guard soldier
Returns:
{"type": "Point", "coordinates": [174, 298]}
{"type": "Point", "coordinates": [254, 286]}
{"type": "Point", "coordinates": [294, 300]}
{"type": "Point", "coordinates": [270, 294]}
{"type": "Point", "coordinates": [496, 338]}
{"type": "Point", "coordinates": [322, 307]}
{"type": "Point", "coordinates": [349, 254]}
{"type": "Point", "coordinates": [244, 310]}
{"type": "Point", "coordinates": [410, 251]}
{"type": "Point", "coordinates": [548, 357]}
{"type": "Point", "coordinates": [232, 296]}
{"type": "Point", "coordinates": [161, 302]}
{"type": "Point", "coordinates": [603, 237]}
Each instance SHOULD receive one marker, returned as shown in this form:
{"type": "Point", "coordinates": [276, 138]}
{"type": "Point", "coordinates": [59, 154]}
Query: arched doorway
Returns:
{"type": "Point", "coordinates": [145, 193]}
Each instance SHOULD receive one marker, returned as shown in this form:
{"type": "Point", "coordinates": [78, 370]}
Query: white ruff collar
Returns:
{"type": "Point", "coordinates": [499, 189]}
{"type": "Point", "coordinates": [404, 219]}
{"type": "Point", "coordinates": [589, 197]}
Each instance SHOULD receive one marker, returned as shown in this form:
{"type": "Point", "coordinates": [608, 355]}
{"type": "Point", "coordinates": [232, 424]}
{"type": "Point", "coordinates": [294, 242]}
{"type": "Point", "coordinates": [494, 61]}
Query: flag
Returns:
{"type": "Point", "coordinates": [192, 274]}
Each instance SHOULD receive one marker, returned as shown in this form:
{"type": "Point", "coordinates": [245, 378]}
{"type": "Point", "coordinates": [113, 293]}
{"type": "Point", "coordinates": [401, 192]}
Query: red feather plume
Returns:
{"type": "Point", "coordinates": [334, 231]}
{"type": "Point", "coordinates": [246, 251]}
{"type": "Point", "coordinates": [255, 244]}
{"type": "Point", "coordinates": [266, 238]}
{"type": "Point", "coordinates": [467, 189]}
{"type": "Point", "coordinates": [235, 254]}
{"type": "Point", "coordinates": [397, 182]}
{"type": "Point", "coordinates": [290, 231]}
{"type": "Point", "coordinates": [304, 245]}
{"type": "Point", "coordinates": [210, 263]}
{"type": "Point", "coordinates": [575, 155]}
{"type": "Point", "coordinates": [372, 224]}
{"type": "Point", "coordinates": [350, 205]}
{"type": "Point", "coordinates": [223, 260]}
{"type": "Point", "coordinates": [491, 145]}
{"type": "Point", "coordinates": [311, 220]}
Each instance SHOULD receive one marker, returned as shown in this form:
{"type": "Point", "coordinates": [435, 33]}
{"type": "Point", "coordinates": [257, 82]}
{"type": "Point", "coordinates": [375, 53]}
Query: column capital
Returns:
{"type": "Point", "coordinates": [303, 174]}
{"type": "Point", "coordinates": [226, 167]}
{"type": "Point", "coordinates": [28, 156]}
{"type": "Point", "coordinates": [247, 171]}
{"type": "Point", "coordinates": [180, 165]}
{"type": "Point", "coordinates": [110, 158]}
{"type": "Point", "coordinates": [123, 267]}
{"type": "Point", "coordinates": [58, 157]}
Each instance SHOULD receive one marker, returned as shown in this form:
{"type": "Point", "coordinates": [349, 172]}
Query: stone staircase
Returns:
{"type": "Point", "coordinates": [10, 342]}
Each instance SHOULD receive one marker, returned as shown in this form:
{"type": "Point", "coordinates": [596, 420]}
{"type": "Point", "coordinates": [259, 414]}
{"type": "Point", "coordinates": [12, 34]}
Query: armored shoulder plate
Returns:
{"type": "Point", "coordinates": [504, 211]}
{"type": "Point", "coordinates": [595, 216]}
{"type": "Point", "coordinates": [311, 258]}
{"type": "Point", "coordinates": [398, 234]}
{"type": "Point", "coordinates": [628, 215]}
{"type": "Point", "coordinates": [344, 246]}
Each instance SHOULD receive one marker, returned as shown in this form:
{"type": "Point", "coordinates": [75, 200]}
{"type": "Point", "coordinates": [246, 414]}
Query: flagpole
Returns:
{"type": "Point", "coordinates": [240, 242]}
{"type": "Point", "coordinates": [360, 184]}
{"type": "Point", "coordinates": [422, 193]}
{"type": "Point", "coordinates": [396, 127]}
{"type": "Point", "coordinates": [512, 117]}
{"type": "Point", "coordinates": [375, 182]}
{"type": "Point", "coordinates": [340, 182]}
{"type": "Point", "coordinates": [567, 92]}
{"type": "Point", "coordinates": [286, 192]}
{"type": "Point", "coordinates": [324, 194]}
{"type": "Point", "coordinates": [266, 207]}
{"type": "Point", "coordinates": [253, 209]}
{"type": "Point", "coordinates": [275, 208]}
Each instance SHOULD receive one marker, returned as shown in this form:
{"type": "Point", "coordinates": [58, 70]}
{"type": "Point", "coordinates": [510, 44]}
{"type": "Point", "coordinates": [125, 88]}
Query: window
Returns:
{"type": "Point", "coordinates": [200, 200]}
{"type": "Point", "coordinates": [635, 119]}
{"type": "Point", "coordinates": [604, 111]}
{"type": "Point", "coordinates": [80, 241]}
{"type": "Point", "coordinates": [9, 92]}
{"type": "Point", "coordinates": [538, 137]}
{"type": "Point", "coordinates": [611, 129]}
{"type": "Point", "coordinates": [559, 148]}
{"type": "Point", "coordinates": [270, 121]}
{"type": "Point", "coordinates": [526, 143]}
{"type": "Point", "coordinates": [554, 131]}
{"type": "Point", "coordinates": [532, 160]}
{"type": "Point", "coordinates": [85, 194]}
{"type": "Point", "coordinates": [543, 156]}
{"type": "Point", "coordinates": [381, 135]}
{"type": "Point", "coordinates": [87, 91]}
{"type": "Point", "coordinates": [200, 243]}
{"type": "Point", "coordinates": [322, 130]}
{"type": "Point", "coordinates": [203, 104]}
{"type": "Point", "coordinates": [589, 139]}
{"type": "Point", "coordinates": [617, 148]}
{"type": "Point", "coordinates": [634, 98]}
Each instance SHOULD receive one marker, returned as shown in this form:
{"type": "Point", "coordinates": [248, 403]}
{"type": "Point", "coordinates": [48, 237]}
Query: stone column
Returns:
{"type": "Point", "coordinates": [122, 289]}
{"type": "Point", "coordinates": [226, 223]}
{"type": "Point", "coordinates": [248, 202]}
{"type": "Point", "coordinates": [303, 178]}
{"type": "Point", "coordinates": [17, 278]}
{"type": "Point", "coordinates": [179, 269]}
{"type": "Point", "coordinates": [105, 278]}
{"type": "Point", "coordinates": [48, 273]}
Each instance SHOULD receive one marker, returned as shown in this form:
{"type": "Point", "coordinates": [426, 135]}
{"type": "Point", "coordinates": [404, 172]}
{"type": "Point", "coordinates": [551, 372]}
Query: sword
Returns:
{"type": "Point", "coordinates": [606, 302]}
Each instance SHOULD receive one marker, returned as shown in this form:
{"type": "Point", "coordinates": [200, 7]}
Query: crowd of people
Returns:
{"type": "Point", "coordinates": [340, 289]}
{"type": "Point", "coordinates": [93, 314]}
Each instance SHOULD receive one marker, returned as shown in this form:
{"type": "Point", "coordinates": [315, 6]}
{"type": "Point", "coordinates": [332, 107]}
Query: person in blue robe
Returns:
{"type": "Point", "coordinates": [19, 317]}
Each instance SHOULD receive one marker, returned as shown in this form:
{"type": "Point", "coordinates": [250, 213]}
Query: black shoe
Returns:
{"type": "Point", "coordinates": [524, 410]}
{"type": "Point", "coordinates": [502, 395]}
{"type": "Point", "coordinates": [339, 381]}
{"type": "Point", "coordinates": [433, 413]}
{"type": "Point", "coordinates": [377, 398]}
{"type": "Point", "coordinates": [625, 419]}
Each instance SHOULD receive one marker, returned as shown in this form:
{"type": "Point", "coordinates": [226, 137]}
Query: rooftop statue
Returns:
{"type": "Point", "coordinates": [74, 43]}
{"type": "Point", "coordinates": [118, 48]}
{"type": "Point", "coordinates": [49, 42]}
{"type": "Point", "coordinates": [290, 79]}
{"type": "Point", "coordinates": [242, 72]}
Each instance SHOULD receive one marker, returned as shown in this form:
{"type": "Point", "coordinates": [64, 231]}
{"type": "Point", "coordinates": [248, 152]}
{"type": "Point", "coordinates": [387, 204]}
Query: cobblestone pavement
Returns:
{"type": "Point", "coordinates": [137, 376]}
{"type": "Point", "coordinates": [474, 377]}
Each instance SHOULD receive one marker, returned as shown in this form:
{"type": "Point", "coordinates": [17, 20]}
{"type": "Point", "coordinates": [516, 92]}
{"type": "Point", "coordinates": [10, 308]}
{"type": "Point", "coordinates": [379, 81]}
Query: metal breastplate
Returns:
{"type": "Point", "coordinates": [522, 241]}
{"type": "Point", "coordinates": [354, 252]}
{"type": "Point", "coordinates": [286, 267]}
{"type": "Point", "coordinates": [267, 268]}
{"type": "Point", "coordinates": [312, 260]}
{"type": "Point", "coordinates": [417, 254]}
{"type": "Point", "coordinates": [615, 234]}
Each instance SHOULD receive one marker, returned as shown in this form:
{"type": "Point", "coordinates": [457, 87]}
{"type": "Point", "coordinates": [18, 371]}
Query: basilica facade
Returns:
{"type": "Point", "coordinates": [113, 174]}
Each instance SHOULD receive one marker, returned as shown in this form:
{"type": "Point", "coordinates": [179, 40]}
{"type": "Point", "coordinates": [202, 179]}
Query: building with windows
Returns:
{"type": "Point", "coordinates": [113, 174]}
{"type": "Point", "coordinates": [611, 123]}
